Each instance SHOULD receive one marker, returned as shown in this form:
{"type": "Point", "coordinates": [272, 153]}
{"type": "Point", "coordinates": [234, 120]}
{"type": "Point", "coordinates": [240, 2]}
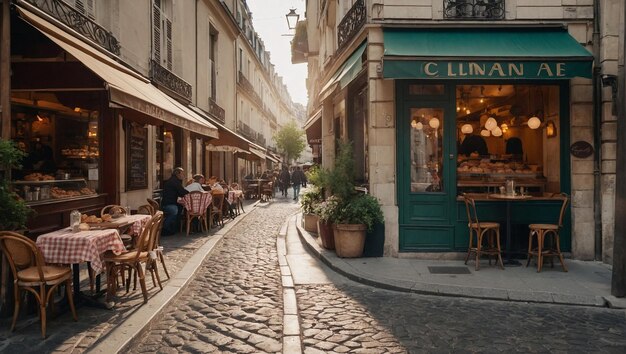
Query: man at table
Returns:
{"type": "Point", "coordinates": [172, 190]}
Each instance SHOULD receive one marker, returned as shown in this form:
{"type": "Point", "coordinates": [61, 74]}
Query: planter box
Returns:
{"type": "Point", "coordinates": [326, 233]}
{"type": "Point", "coordinates": [310, 222]}
{"type": "Point", "coordinates": [349, 240]}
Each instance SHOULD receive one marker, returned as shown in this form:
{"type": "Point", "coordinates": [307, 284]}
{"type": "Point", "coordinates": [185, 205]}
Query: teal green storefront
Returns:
{"type": "Point", "coordinates": [430, 67]}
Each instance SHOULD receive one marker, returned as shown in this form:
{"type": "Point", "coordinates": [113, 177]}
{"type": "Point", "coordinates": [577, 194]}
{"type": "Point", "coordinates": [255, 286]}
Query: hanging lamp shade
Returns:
{"type": "Point", "coordinates": [534, 123]}
{"type": "Point", "coordinates": [496, 131]}
{"type": "Point", "coordinates": [434, 122]}
{"type": "Point", "coordinates": [491, 123]}
{"type": "Point", "coordinates": [485, 133]}
{"type": "Point", "coordinates": [419, 126]}
{"type": "Point", "coordinates": [467, 129]}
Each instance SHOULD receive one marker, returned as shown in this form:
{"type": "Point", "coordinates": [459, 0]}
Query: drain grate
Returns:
{"type": "Point", "coordinates": [448, 270]}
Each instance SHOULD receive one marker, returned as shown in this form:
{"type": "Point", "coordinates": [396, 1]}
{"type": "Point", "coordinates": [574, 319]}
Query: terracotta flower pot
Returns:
{"type": "Point", "coordinates": [310, 222]}
{"type": "Point", "coordinates": [325, 231]}
{"type": "Point", "coordinates": [349, 240]}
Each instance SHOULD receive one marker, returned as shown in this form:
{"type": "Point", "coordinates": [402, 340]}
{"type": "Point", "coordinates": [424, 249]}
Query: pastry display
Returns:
{"type": "Point", "coordinates": [90, 219]}
{"type": "Point", "coordinates": [38, 177]}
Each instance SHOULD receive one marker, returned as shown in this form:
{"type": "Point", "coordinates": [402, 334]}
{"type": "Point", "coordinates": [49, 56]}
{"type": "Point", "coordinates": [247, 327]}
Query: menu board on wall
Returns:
{"type": "Point", "coordinates": [136, 156]}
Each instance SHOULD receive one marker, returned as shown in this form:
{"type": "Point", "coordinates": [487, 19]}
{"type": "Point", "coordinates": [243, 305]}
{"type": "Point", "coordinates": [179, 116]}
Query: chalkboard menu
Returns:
{"type": "Point", "coordinates": [136, 156]}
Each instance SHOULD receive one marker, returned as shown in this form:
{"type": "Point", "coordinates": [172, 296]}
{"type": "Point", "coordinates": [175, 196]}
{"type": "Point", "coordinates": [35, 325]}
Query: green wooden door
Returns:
{"type": "Point", "coordinates": [426, 166]}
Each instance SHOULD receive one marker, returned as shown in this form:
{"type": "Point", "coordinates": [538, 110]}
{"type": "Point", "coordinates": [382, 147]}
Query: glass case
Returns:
{"type": "Point", "coordinates": [39, 188]}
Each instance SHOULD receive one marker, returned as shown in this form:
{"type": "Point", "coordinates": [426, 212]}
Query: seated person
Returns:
{"type": "Point", "coordinates": [216, 187]}
{"type": "Point", "coordinates": [172, 190]}
{"type": "Point", "coordinates": [196, 183]}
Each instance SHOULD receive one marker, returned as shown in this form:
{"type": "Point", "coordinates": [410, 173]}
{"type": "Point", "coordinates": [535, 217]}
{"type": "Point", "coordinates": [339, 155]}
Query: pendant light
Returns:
{"type": "Point", "coordinates": [467, 129]}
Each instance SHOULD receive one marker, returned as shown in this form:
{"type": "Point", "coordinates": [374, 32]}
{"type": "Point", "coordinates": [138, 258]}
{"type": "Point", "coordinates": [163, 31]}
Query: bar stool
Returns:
{"type": "Point", "coordinates": [543, 232]}
{"type": "Point", "coordinates": [478, 230]}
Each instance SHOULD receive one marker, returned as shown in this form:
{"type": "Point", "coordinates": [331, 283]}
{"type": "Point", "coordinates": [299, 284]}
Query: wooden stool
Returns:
{"type": "Point", "coordinates": [542, 232]}
{"type": "Point", "coordinates": [478, 230]}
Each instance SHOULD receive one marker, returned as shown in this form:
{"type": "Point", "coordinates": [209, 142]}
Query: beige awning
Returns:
{"type": "Point", "coordinates": [126, 87]}
{"type": "Point", "coordinates": [225, 148]}
{"type": "Point", "coordinates": [260, 154]}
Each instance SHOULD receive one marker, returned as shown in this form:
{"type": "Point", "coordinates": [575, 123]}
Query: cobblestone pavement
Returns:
{"type": "Point", "coordinates": [360, 319]}
{"type": "Point", "coordinates": [234, 304]}
{"type": "Point", "coordinates": [66, 336]}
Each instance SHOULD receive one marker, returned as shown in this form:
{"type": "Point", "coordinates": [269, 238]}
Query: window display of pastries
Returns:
{"type": "Point", "coordinates": [484, 166]}
{"type": "Point", "coordinates": [38, 177]}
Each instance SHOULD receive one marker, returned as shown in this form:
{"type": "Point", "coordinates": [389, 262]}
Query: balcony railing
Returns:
{"type": "Point", "coordinates": [351, 24]}
{"type": "Point", "coordinates": [167, 79]}
{"type": "Point", "coordinates": [473, 9]}
{"type": "Point", "coordinates": [247, 87]}
{"type": "Point", "coordinates": [80, 23]}
{"type": "Point", "coordinates": [216, 111]}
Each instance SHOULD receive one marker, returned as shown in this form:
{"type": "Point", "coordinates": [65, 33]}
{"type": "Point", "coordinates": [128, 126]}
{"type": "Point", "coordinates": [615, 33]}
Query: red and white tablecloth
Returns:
{"type": "Point", "coordinates": [138, 221]}
{"type": "Point", "coordinates": [196, 202]}
{"type": "Point", "coordinates": [67, 247]}
{"type": "Point", "coordinates": [234, 194]}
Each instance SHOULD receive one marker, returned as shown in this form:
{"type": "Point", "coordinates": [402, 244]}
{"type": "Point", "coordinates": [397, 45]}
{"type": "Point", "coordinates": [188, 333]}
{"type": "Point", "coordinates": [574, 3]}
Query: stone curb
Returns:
{"type": "Point", "coordinates": [337, 264]}
{"type": "Point", "coordinates": [291, 321]}
{"type": "Point", "coordinates": [119, 339]}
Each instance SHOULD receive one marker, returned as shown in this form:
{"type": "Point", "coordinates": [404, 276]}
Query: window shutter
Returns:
{"type": "Point", "coordinates": [91, 8]}
{"type": "Point", "coordinates": [156, 31]}
{"type": "Point", "coordinates": [80, 6]}
{"type": "Point", "coordinates": [168, 26]}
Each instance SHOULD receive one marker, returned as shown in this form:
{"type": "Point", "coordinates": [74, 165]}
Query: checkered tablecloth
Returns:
{"type": "Point", "coordinates": [197, 203]}
{"type": "Point", "coordinates": [138, 223]}
{"type": "Point", "coordinates": [66, 247]}
{"type": "Point", "coordinates": [234, 194]}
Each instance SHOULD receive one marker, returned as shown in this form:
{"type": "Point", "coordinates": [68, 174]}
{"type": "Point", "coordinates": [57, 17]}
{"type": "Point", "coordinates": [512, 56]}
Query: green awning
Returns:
{"type": "Point", "coordinates": [348, 70]}
{"type": "Point", "coordinates": [484, 53]}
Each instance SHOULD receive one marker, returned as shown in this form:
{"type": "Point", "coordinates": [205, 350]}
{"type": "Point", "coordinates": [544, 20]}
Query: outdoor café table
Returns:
{"type": "Point", "coordinates": [233, 194]}
{"type": "Point", "coordinates": [67, 247]}
{"type": "Point", "coordinates": [130, 224]}
{"type": "Point", "coordinates": [201, 203]}
{"type": "Point", "coordinates": [508, 199]}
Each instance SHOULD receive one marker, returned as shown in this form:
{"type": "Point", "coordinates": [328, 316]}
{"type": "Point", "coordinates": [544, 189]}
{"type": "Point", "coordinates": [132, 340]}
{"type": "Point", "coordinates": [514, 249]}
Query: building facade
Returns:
{"type": "Point", "coordinates": [107, 97]}
{"type": "Point", "coordinates": [443, 97]}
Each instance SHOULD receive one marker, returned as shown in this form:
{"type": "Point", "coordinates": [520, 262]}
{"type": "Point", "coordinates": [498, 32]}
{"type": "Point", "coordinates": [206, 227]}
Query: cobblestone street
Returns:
{"type": "Point", "coordinates": [235, 302]}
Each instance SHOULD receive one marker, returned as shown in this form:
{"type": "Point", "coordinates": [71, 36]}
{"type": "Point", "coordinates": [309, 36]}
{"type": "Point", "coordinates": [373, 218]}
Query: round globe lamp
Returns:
{"type": "Point", "coordinates": [485, 133]}
{"type": "Point", "coordinates": [434, 123]}
{"type": "Point", "coordinates": [467, 129]}
{"type": "Point", "coordinates": [534, 123]}
{"type": "Point", "coordinates": [491, 123]}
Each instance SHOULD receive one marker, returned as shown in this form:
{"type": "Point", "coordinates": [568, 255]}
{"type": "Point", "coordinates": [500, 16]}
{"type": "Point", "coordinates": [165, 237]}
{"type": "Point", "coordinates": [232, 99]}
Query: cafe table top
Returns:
{"type": "Point", "coordinates": [67, 247]}
{"type": "Point", "coordinates": [135, 222]}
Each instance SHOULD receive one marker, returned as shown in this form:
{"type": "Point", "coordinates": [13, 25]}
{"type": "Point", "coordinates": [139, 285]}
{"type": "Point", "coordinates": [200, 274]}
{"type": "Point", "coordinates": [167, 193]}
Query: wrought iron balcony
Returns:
{"type": "Point", "coordinates": [80, 23]}
{"type": "Point", "coordinates": [351, 23]}
{"type": "Point", "coordinates": [473, 9]}
{"type": "Point", "coordinates": [249, 89]}
{"type": "Point", "coordinates": [167, 79]}
{"type": "Point", "coordinates": [216, 111]}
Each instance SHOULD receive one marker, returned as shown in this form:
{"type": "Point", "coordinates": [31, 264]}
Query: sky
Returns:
{"type": "Point", "coordinates": [269, 21]}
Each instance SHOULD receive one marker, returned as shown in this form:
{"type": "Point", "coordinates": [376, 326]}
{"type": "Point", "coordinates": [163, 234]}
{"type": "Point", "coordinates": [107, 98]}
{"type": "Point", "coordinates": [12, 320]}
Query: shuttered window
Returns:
{"type": "Point", "coordinates": [86, 7]}
{"type": "Point", "coordinates": [162, 47]}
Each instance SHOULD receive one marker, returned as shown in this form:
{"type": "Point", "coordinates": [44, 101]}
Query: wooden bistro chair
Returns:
{"type": "Point", "coordinates": [238, 201]}
{"type": "Point", "coordinates": [146, 209]}
{"type": "Point", "coordinates": [477, 231]}
{"type": "Point", "coordinates": [543, 232]}
{"type": "Point", "coordinates": [216, 209]}
{"type": "Point", "coordinates": [132, 261]}
{"type": "Point", "coordinates": [155, 205]}
{"type": "Point", "coordinates": [194, 211]}
{"type": "Point", "coordinates": [31, 273]}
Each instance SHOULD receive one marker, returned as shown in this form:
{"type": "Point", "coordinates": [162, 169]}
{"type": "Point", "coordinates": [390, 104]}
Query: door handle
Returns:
{"type": "Point", "coordinates": [451, 156]}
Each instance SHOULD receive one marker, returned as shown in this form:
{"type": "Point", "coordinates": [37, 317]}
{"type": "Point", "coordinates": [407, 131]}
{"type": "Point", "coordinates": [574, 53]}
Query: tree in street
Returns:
{"type": "Point", "coordinates": [289, 140]}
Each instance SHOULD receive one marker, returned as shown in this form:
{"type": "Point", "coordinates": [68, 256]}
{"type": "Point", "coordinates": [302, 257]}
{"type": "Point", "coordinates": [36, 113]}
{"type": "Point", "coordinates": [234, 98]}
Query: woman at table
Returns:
{"type": "Point", "coordinates": [196, 183]}
{"type": "Point", "coordinates": [172, 190]}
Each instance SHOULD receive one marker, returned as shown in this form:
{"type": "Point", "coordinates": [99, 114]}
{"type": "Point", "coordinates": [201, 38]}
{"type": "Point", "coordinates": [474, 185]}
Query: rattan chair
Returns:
{"type": "Point", "coordinates": [155, 205]}
{"type": "Point", "coordinates": [114, 210]}
{"type": "Point", "coordinates": [199, 213]}
{"type": "Point", "coordinates": [31, 273]}
{"type": "Point", "coordinates": [132, 261]}
{"type": "Point", "coordinates": [146, 209]}
{"type": "Point", "coordinates": [216, 209]}
{"type": "Point", "coordinates": [477, 231]}
{"type": "Point", "coordinates": [542, 233]}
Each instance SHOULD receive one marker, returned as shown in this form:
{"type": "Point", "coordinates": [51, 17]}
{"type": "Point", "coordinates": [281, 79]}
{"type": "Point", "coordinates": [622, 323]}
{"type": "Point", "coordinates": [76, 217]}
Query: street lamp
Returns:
{"type": "Point", "coordinates": [292, 19]}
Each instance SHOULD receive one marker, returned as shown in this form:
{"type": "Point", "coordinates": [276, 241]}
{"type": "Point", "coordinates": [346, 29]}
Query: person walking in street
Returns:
{"type": "Point", "coordinates": [172, 190]}
{"type": "Point", "coordinates": [284, 180]}
{"type": "Point", "coordinates": [297, 178]}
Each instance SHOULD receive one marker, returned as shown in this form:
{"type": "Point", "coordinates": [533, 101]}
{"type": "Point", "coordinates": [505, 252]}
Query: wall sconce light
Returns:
{"type": "Point", "coordinates": [550, 129]}
{"type": "Point", "coordinates": [534, 123]}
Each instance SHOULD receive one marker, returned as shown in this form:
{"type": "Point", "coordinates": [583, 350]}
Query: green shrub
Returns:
{"type": "Point", "coordinates": [361, 209]}
{"type": "Point", "coordinates": [309, 200]}
{"type": "Point", "coordinates": [15, 212]}
{"type": "Point", "coordinates": [328, 210]}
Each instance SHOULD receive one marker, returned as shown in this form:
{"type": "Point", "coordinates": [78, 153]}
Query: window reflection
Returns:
{"type": "Point", "coordinates": [426, 149]}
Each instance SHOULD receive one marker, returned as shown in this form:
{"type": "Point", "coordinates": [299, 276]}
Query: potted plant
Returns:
{"type": "Point", "coordinates": [15, 212]}
{"type": "Point", "coordinates": [357, 216]}
{"type": "Point", "coordinates": [309, 201]}
{"type": "Point", "coordinates": [327, 212]}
